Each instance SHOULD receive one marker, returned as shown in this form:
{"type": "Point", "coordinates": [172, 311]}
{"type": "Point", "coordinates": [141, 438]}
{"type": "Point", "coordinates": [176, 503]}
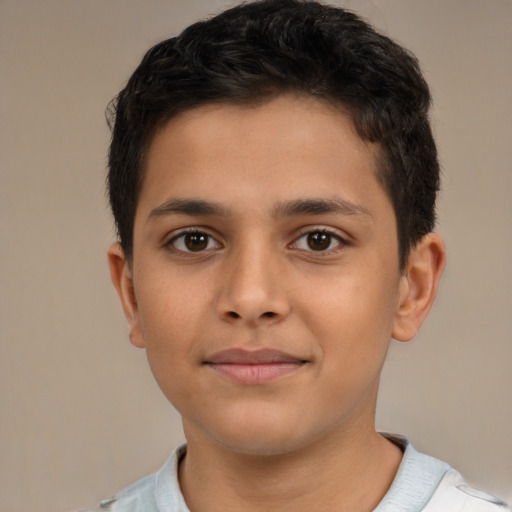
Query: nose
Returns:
{"type": "Point", "coordinates": [252, 289]}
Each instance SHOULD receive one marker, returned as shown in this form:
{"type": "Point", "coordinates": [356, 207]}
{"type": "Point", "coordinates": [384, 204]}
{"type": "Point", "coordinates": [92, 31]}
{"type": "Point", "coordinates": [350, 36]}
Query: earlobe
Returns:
{"type": "Point", "coordinates": [121, 275]}
{"type": "Point", "coordinates": [418, 286]}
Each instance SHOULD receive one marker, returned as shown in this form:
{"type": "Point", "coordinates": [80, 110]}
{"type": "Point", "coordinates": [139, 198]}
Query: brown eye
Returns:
{"type": "Point", "coordinates": [196, 241]}
{"type": "Point", "coordinates": [319, 241]}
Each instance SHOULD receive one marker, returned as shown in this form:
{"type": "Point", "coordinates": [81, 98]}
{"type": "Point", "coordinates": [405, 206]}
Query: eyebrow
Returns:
{"type": "Point", "coordinates": [306, 206]}
{"type": "Point", "coordinates": [188, 207]}
{"type": "Point", "coordinates": [317, 206]}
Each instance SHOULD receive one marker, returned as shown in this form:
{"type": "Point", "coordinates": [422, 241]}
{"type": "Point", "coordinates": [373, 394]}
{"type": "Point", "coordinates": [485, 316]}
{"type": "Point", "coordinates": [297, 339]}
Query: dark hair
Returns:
{"type": "Point", "coordinates": [261, 49]}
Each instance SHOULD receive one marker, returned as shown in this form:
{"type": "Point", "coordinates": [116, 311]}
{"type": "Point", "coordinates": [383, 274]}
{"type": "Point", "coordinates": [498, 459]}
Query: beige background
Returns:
{"type": "Point", "coordinates": [81, 417]}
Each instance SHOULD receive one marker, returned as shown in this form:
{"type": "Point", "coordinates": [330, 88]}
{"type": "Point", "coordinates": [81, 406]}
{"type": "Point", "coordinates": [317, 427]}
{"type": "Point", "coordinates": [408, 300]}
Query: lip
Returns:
{"type": "Point", "coordinates": [254, 367]}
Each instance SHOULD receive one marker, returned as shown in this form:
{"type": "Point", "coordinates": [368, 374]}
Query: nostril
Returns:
{"type": "Point", "coordinates": [268, 314]}
{"type": "Point", "coordinates": [233, 314]}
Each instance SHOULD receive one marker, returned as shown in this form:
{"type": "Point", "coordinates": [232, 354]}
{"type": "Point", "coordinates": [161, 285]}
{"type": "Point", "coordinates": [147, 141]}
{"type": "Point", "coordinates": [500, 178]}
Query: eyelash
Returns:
{"type": "Point", "coordinates": [340, 241]}
{"type": "Point", "coordinates": [171, 243]}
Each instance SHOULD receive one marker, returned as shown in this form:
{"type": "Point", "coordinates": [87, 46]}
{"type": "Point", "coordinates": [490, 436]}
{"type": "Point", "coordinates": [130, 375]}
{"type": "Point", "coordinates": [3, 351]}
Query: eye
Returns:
{"type": "Point", "coordinates": [193, 241]}
{"type": "Point", "coordinates": [318, 241]}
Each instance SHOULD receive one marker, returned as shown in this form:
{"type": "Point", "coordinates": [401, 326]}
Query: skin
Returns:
{"type": "Point", "coordinates": [260, 282]}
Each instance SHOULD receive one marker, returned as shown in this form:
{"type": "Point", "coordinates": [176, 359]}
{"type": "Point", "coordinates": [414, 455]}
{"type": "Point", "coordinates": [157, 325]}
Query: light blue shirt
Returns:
{"type": "Point", "coordinates": [422, 484]}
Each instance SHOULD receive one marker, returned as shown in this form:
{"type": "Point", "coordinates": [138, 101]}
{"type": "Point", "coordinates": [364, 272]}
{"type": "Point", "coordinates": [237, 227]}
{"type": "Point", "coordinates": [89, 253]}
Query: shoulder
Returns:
{"type": "Point", "coordinates": [158, 492]}
{"type": "Point", "coordinates": [454, 494]}
{"type": "Point", "coordinates": [426, 484]}
{"type": "Point", "coordinates": [137, 497]}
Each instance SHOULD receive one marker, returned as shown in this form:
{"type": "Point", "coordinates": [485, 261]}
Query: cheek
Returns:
{"type": "Point", "coordinates": [170, 330]}
{"type": "Point", "coordinates": [172, 311]}
{"type": "Point", "coordinates": [352, 317]}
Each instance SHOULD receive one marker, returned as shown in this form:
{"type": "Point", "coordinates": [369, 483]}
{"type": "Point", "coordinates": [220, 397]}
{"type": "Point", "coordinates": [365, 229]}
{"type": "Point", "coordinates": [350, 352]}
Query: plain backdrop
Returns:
{"type": "Point", "coordinates": [80, 414]}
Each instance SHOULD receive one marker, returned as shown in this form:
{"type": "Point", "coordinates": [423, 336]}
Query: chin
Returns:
{"type": "Point", "coordinates": [263, 436]}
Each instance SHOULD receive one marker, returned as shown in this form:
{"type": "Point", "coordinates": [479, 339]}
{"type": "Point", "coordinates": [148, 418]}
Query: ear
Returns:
{"type": "Point", "coordinates": [121, 275]}
{"type": "Point", "coordinates": [418, 286]}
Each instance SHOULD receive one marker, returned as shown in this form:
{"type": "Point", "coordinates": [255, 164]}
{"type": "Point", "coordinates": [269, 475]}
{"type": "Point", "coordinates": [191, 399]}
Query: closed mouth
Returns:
{"type": "Point", "coordinates": [254, 367]}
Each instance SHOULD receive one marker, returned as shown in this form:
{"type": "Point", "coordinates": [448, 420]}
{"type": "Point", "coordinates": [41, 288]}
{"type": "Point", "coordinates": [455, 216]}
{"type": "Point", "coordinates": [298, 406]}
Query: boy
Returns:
{"type": "Point", "coordinates": [273, 179]}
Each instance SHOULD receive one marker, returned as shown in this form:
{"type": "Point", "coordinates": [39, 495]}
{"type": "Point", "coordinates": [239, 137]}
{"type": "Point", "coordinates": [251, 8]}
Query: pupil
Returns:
{"type": "Point", "coordinates": [319, 241]}
{"type": "Point", "coordinates": [196, 241]}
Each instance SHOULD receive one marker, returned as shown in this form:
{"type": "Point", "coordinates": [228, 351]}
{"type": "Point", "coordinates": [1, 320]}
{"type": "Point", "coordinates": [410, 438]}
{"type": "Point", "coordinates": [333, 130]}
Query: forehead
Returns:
{"type": "Point", "coordinates": [290, 145]}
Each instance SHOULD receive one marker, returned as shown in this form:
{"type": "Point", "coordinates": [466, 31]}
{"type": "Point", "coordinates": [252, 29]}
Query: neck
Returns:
{"type": "Point", "coordinates": [354, 471]}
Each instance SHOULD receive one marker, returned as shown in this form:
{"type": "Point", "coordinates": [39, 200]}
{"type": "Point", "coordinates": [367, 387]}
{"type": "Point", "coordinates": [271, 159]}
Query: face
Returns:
{"type": "Point", "coordinates": [265, 279]}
